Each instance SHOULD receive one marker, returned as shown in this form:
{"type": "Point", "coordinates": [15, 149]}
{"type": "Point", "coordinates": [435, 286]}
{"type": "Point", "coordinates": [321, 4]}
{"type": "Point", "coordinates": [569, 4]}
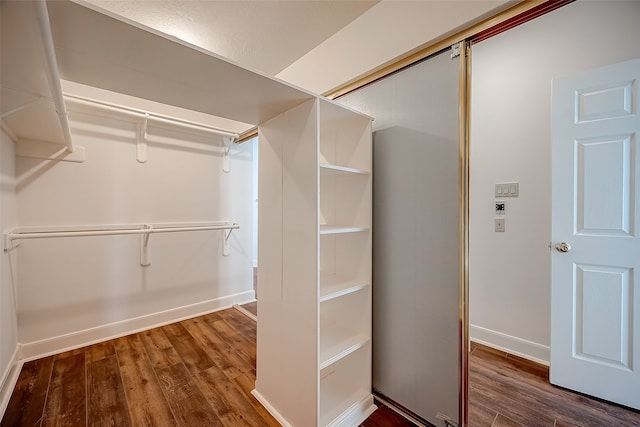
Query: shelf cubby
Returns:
{"type": "Point", "coordinates": [334, 286]}
{"type": "Point", "coordinates": [343, 388]}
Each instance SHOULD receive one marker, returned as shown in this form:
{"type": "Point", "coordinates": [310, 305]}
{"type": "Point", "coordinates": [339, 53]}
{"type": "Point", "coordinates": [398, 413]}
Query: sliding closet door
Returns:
{"type": "Point", "coordinates": [416, 340]}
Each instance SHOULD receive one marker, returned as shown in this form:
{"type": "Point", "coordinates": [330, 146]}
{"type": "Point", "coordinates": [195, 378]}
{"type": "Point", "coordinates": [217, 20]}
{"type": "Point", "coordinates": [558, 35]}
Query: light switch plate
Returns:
{"type": "Point", "coordinates": [499, 224]}
{"type": "Point", "coordinates": [507, 189]}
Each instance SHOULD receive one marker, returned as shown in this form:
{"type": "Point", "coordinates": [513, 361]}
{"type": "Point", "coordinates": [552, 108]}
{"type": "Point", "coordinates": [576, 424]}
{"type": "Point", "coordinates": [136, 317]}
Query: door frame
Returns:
{"type": "Point", "coordinates": [463, 234]}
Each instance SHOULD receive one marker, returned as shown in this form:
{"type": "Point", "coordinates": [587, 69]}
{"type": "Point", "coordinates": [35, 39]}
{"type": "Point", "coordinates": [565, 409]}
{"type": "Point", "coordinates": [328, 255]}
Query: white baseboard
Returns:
{"type": "Point", "coordinates": [356, 413]}
{"type": "Point", "coordinates": [9, 379]}
{"type": "Point", "coordinates": [264, 402]}
{"type": "Point", "coordinates": [353, 416]}
{"type": "Point", "coordinates": [37, 349]}
{"type": "Point", "coordinates": [527, 349]}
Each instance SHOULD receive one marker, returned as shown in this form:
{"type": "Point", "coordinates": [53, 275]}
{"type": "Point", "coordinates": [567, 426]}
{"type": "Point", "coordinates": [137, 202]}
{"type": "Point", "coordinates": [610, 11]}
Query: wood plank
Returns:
{"type": "Point", "coordinates": [246, 383]}
{"type": "Point", "coordinates": [502, 421]}
{"type": "Point", "coordinates": [211, 317]}
{"type": "Point", "coordinates": [239, 338]}
{"type": "Point", "coordinates": [217, 346]}
{"type": "Point", "coordinates": [26, 405]}
{"type": "Point", "coordinates": [213, 382]}
{"type": "Point", "coordinates": [99, 351]}
{"type": "Point", "coordinates": [192, 354]}
{"type": "Point", "coordinates": [242, 347]}
{"type": "Point", "coordinates": [519, 389]}
{"type": "Point", "coordinates": [187, 402]}
{"type": "Point", "coordinates": [145, 400]}
{"type": "Point", "coordinates": [218, 401]}
{"type": "Point", "coordinates": [66, 400]}
{"type": "Point", "coordinates": [243, 325]}
{"type": "Point", "coordinates": [159, 349]}
{"type": "Point", "coordinates": [385, 417]}
{"type": "Point", "coordinates": [480, 416]}
{"type": "Point", "coordinates": [68, 353]}
{"type": "Point", "coordinates": [105, 393]}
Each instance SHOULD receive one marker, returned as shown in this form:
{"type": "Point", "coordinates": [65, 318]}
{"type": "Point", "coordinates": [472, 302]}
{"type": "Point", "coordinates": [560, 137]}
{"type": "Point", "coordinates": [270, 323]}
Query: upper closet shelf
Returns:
{"type": "Point", "coordinates": [30, 82]}
{"type": "Point", "coordinates": [98, 49]}
{"type": "Point", "coordinates": [80, 44]}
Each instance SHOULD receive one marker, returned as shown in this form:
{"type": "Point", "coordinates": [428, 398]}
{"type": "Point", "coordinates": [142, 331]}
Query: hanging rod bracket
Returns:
{"type": "Point", "coordinates": [141, 143]}
{"type": "Point", "coordinates": [144, 246]}
{"type": "Point", "coordinates": [8, 242]}
{"type": "Point", "coordinates": [226, 246]}
{"type": "Point", "coordinates": [226, 161]}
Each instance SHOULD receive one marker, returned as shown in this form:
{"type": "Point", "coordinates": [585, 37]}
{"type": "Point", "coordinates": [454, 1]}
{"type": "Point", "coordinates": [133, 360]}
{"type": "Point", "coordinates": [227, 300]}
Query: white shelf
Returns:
{"type": "Point", "coordinates": [337, 343]}
{"type": "Point", "coordinates": [341, 229]}
{"type": "Point", "coordinates": [332, 286]}
{"type": "Point", "coordinates": [329, 169]}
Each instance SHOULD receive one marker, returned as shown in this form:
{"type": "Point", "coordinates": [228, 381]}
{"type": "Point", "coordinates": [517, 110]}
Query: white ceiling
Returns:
{"type": "Point", "coordinates": [315, 44]}
{"type": "Point", "coordinates": [267, 35]}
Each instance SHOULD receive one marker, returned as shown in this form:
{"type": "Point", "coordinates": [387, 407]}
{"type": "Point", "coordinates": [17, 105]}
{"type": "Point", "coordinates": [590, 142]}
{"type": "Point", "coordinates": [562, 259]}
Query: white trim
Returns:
{"type": "Point", "coordinates": [37, 349]}
{"type": "Point", "coordinates": [356, 413]}
{"type": "Point", "coordinates": [10, 378]}
{"type": "Point", "coordinates": [264, 402]}
{"type": "Point", "coordinates": [517, 346]}
{"type": "Point", "coordinates": [246, 312]}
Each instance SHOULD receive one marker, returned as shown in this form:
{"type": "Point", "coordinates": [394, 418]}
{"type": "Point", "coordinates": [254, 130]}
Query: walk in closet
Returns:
{"type": "Point", "coordinates": [123, 147]}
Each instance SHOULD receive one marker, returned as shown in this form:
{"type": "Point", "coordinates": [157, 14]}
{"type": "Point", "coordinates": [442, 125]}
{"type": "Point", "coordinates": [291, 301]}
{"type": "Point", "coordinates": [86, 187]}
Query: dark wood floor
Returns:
{"type": "Point", "coordinates": [199, 372]}
{"type": "Point", "coordinates": [506, 390]}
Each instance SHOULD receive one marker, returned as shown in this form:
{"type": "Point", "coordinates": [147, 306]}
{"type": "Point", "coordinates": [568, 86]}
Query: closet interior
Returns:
{"type": "Point", "coordinates": [115, 143]}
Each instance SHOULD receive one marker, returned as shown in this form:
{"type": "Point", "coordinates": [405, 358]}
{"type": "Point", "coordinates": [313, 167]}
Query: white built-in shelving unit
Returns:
{"type": "Point", "coordinates": [314, 328]}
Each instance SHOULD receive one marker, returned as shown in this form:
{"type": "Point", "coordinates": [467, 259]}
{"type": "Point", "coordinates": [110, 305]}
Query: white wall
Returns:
{"type": "Point", "coordinates": [71, 285]}
{"type": "Point", "coordinates": [386, 31]}
{"type": "Point", "coordinates": [510, 141]}
{"type": "Point", "coordinates": [8, 322]}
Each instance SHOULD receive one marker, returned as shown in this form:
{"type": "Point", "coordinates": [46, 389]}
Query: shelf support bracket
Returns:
{"type": "Point", "coordinates": [8, 243]}
{"type": "Point", "coordinates": [226, 162]}
{"type": "Point", "coordinates": [20, 107]}
{"type": "Point", "coordinates": [141, 145]}
{"type": "Point", "coordinates": [226, 245]}
{"type": "Point", "coordinates": [144, 246]}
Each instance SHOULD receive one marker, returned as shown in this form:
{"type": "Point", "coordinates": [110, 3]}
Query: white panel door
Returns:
{"type": "Point", "coordinates": [595, 303]}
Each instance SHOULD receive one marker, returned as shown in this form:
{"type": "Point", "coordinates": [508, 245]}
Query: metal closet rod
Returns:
{"type": "Point", "coordinates": [135, 112]}
{"type": "Point", "coordinates": [144, 229]}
